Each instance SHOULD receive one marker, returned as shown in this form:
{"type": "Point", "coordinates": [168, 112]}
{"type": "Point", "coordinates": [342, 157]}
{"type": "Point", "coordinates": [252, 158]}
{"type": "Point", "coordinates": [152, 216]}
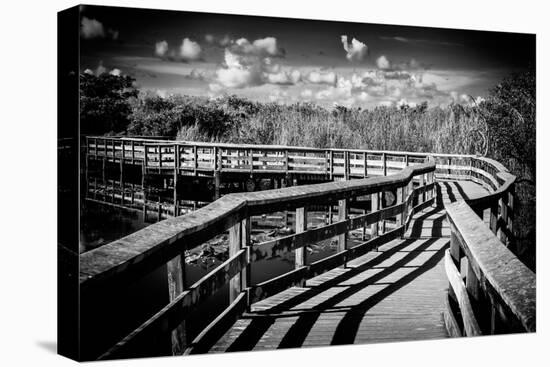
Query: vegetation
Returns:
{"type": "Point", "coordinates": [501, 127]}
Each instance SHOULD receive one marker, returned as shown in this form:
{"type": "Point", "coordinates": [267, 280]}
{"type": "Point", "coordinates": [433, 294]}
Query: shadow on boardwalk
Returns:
{"type": "Point", "coordinates": [394, 293]}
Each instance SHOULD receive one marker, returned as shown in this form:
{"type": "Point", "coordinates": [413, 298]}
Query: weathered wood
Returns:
{"type": "Point", "coordinates": [301, 225]}
{"type": "Point", "coordinates": [176, 286]}
{"type": "Point", "coordinates": [375, 202]}
{"type": "Point", "coordinates": [471, 327]}
{"type": "Point", "coordinates": [202, 343]}
{"type": "Point", "coordinates": [342, 216]}
{"type": "Point", "coordinates": [235, 244]}
{"type": "Point", "coordinates": [505, 280]}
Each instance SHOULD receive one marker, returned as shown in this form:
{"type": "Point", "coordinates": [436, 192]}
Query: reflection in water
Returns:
{"type": "Point", "coordinates": [115, 206]}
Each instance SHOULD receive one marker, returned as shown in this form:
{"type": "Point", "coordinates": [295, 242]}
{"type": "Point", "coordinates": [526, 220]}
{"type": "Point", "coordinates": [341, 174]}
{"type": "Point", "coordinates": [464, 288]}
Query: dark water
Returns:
{"type": "Point", "coordinates": [109, 315]}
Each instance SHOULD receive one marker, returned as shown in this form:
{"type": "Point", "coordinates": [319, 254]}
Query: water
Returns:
{"type": "Point", "coordinates": [107, 215]}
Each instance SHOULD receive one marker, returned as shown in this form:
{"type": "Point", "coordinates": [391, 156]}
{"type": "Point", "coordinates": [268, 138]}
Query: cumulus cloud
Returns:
{"type": "Point", "coordinates": [91, 28]}
{"type": "Point", "coordinates": [262, 47]}
{"type": "Point", "coordinates": [161, 48]}
{"type": "Point", "coordinates": [319, 77]}
{"type": "Point", "coordinates": [190, 50]}
{"type": "Point", "coordinates": [356, 50]}
{"type": "Point", "coordinates": [249, 64]}
{"type": "Point", "coordinates": [383, 63]}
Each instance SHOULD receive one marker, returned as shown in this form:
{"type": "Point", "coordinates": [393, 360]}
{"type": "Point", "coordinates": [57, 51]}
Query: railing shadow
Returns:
{"type": "Point", "coordinates": [348, 326]}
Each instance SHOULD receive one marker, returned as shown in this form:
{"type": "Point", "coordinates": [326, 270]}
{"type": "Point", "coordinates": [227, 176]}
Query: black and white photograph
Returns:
{"type": "Point", "coordinates": [250, 183]}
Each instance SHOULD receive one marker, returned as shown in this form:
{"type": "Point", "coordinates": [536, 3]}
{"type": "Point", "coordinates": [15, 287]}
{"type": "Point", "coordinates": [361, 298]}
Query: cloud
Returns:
{"type": "Point", "coordinates": [262, 47]}
{"type": "Point", "coordinates": [404, 103]}
{"type": "Point", "coordinates": [306, 93]}
{"type": "Point", "coordinates": [356, 50]}
{"type": "Point", "coordinates": [383, 63]}
{"type": "Point", "coordinates": [190, 50]}
{"type": "Point", "coordinates": [115, 72]}
{"type": "Point", "coordinates": [161, 48]}
{"type": "Point", "coordinates": [248, 64]}
{"type": "Point", "coordinates": [91, 28]}
{"type": "Point", "coordinates": [284, 77]}
{"type": "Point", "coordinates": [319, 77]}
{"type": "Point", "coordinates": [217, 41]}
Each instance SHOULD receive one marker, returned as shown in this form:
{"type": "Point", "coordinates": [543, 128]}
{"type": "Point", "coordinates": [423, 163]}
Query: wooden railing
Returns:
{"type": "Point", "coordinates": [188, 158]}
{"type": "Point", "coordinates": [497, 292]}
{"type": "Point", "coordinates": [121, 262]}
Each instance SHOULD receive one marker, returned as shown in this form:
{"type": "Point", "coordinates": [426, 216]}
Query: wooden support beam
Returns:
{"type": "Point", "coordinates": [343, 211]}
{"type": "Point", "coordinates": [301, 226]}
{"type": "Point", "coordinates": [375, 203]}
{"type": "Point", "coordinates": [176, 285]}
{"type": "Point", "coordinates": [246, 273]}
{"type": "Point", "coordinates": [235, 245]}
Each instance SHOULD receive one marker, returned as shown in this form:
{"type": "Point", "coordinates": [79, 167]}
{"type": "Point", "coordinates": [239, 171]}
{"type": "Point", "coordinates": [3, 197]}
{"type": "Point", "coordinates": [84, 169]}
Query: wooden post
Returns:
{"type": "Point", "coordinates": [493, 217]}
{"type": "Point", "coordinates": [176, 172]}
{"type": "Point", "coordinates": [331, 165]}
{"type": "Point", "coordinates": [235, 243]}
{"type": "Point", "coordinates": [423, 184]}
{"type": "Point", "coordinates": [342, 215]}
{"type": "Point", "coordinates": [159, 208]}
{"type": "Point", "coordinates": [406, 160]}
{"type": "Point", "coordinates": [346, 165]}
{"type": "Point", "coordinates": [375, 198]}
{"type": "Point", "coordinates": [504, 215]}
{"type": "Point", "coordinates": [246, 273]}
{"type": "Point", "coordinates": [133, 152]}
{"type": "Point", "coordinates": [365, 173]}
{"type": "Point", "coordinates": [159, 152]}
{"type": "Point", "coordinates": [286, 163]}
{"type": "Point", "coordinates": [384, 165]}
{"type": "Point", "coordinates": [217, 184]}
{"type": "Point", "coordinates": [176, 285]}
{"type": "Point", "coordinates": [122, 181]}
{"type": "Point", "coordinates": [400, 218]}
{"type": "Point", "coordinates": [195, 159]}
{"type": "Point", "coordinates": [301, 226]}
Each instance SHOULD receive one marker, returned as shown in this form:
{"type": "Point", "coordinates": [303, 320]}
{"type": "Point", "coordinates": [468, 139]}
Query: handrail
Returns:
{"type": "Point", "coordinates": [117, 263]}
{"type": "Point", "coordinates": [499, 291]}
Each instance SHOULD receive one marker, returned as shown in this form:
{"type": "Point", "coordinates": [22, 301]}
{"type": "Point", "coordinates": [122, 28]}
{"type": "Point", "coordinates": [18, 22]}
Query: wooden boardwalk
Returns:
{"type": "Point", "coordinates": [395, 293]}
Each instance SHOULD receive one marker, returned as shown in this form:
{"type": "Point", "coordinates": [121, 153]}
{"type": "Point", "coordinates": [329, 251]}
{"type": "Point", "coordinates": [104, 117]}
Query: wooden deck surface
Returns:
{"type": "Point", "coordinates": [396, 293]}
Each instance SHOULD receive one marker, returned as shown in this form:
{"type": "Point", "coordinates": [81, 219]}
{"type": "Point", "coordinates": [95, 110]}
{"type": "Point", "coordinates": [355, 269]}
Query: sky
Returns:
{"type": "Point", "coordinates": [291, 60]}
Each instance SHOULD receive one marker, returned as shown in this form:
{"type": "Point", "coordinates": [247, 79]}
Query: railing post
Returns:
{"type": "Point", "coordinates": [384, 165]}
{"type": "Point", "coordinates": [374, 198]}
{"type": "Point", "coordinates": [343, 211]}
{"type": "Point", "coordinates": [423, 185]}
{"type": "Point", "coordinates": [401, 217]}
{"type": "Point", "coordinates": [346, 165]}
{"type": "Point", "coordinates": [406, 160]}
{"type": "Point", "coordinates": [176, 173]}
{"type": "Point", "coordinates": [331, 164]}
{"type": "Point", "coordinates": [133, 152]}
{"type": "Point", "coordinates": [300, 254]}
{"type": "Point", "coordinates": [504, 215]}
{"type": "Point", "coordinates": [235, 243]}
{"type": "Point", "coordinates": [176, 285]}
{"type": "Point", "coordinates": [365, 172]}
{"type": "Point", "coordinates": [246, 273]}
{"type": "Point", "coordinates": [195, 159]}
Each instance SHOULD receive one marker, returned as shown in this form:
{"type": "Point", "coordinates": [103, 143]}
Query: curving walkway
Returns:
{"type": "Point", "coordinates": [395, 293]}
